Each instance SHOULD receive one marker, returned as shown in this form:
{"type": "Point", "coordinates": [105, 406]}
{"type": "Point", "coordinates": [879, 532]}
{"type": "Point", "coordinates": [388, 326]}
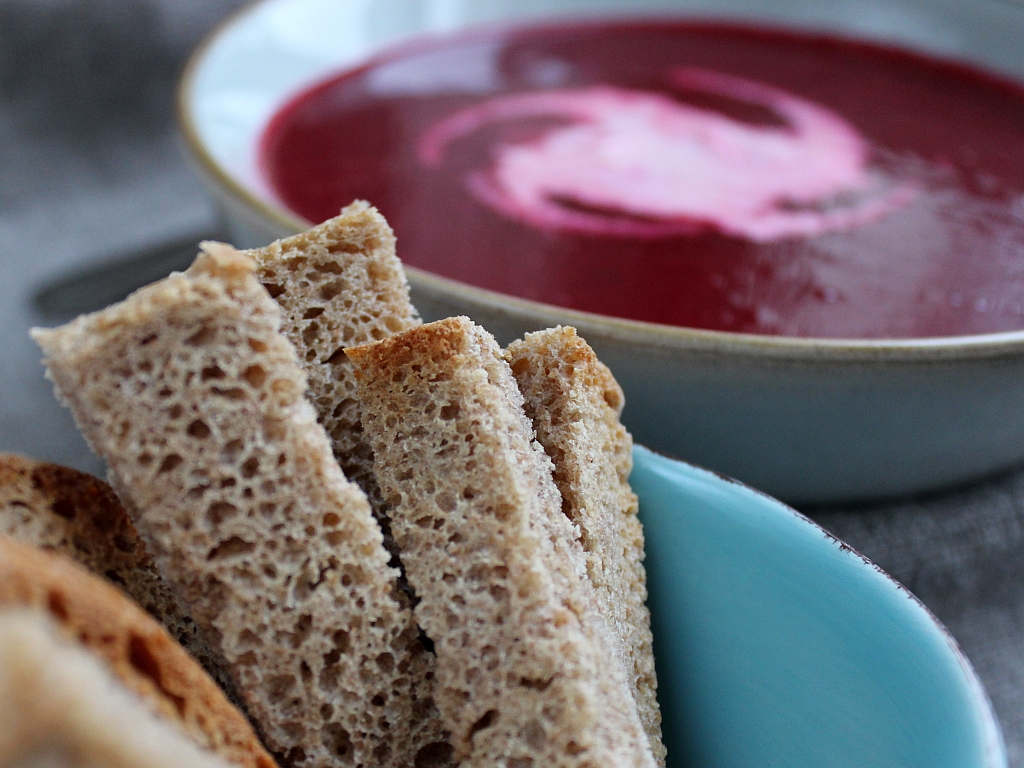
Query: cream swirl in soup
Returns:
{"type": "Point", "coordinates": [674, 168]}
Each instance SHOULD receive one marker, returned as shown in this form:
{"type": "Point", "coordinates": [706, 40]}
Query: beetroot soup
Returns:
{"type": "Point", "coordinates": [697, 175]}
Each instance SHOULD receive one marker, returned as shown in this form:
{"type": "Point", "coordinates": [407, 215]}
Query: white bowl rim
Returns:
{"type": "Point", "coordinates": [596, 326]}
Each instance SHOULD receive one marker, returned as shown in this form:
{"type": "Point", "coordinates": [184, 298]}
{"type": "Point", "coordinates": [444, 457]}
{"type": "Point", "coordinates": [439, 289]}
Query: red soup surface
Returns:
{"type": "Point", "coordinates": [698, 175]}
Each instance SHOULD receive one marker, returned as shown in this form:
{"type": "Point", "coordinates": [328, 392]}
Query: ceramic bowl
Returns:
{"type": "Point", "coordinates": [776, 644]}
{"type": "Point", "coordinates": [808, 420]}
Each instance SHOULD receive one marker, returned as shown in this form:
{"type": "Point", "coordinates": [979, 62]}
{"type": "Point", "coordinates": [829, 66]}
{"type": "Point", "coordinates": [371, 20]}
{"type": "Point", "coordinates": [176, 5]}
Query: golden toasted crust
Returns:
{"type": "Point", "coordinates": [138, 650]}
{"type": "Point", "coordinates": [525, 669]}
{"type": "Point", "coordinates": [61, 708]}
{"type": "Point", "coordinates": [78, 515]}
{"type": "Point", "coordinates": [574, 403]}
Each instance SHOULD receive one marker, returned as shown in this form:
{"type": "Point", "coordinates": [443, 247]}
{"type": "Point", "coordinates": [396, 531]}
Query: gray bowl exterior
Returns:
{"type": "Point", "coordinates": [810, 422]}
{"type": "Point", "coordinates": [808, 425]}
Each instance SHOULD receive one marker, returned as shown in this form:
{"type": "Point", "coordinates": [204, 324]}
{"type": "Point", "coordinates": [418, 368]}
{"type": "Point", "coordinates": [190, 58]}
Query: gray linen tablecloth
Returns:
{"type": "Point", "coordinates": [90, 167]}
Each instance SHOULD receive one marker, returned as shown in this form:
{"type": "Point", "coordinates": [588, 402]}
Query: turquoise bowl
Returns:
{"type": "Point", "coordinates": [778, 645]}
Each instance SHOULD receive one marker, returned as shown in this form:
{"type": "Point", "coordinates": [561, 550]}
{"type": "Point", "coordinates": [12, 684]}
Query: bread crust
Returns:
{"type": "Point", "coordinates": [59, 706]}
{"type": "Point", "coordinates": [525, 668]}
{"type": "Point", "coordinates": [196, 401]}
{"type": "Point", "coordinates": [136, 649]}
{"type": "Point", "coordinates": [60, 509]}
{"type": "Point", "coordinates": [574, 403]}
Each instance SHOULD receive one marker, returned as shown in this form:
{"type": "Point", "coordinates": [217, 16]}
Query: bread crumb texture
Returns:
{"type": "Point", "coordinates": [339, 285]}
{"type": "Point", "coordinates": [135, 648]}
{"type": "Point", "coordinates": [195, 399]}
{"type": "Point", "coordinates": [60, 708]}
{"type": "Point", "coordinates": [63, 510]}
{"type": "Point", "coordinates": [526, 672]}
{"type": "Point", "coordinates": [574, 403]}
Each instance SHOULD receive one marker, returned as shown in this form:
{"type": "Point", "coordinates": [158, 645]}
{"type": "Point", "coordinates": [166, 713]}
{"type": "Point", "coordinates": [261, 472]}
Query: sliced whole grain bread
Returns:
{"type": "Point", "coordinates": [60, 708]}
{"type": "Point", "coordinates": [574, 403]}
{"type": "Point", "coordinates": [196, 401]}
{"type": "Point", "coordinates": [78, 515]}
{"type": "Point", "coordinates": [526, 670]}
{"type": "Point", "coordinates": [134, 646]}
{"type": "Point", "coordinates": [340, 285]}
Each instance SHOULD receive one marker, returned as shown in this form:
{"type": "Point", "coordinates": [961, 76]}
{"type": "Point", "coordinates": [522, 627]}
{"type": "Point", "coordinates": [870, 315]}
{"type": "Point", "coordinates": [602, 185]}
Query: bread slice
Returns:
{"type": "Point", "coordinates": [78, 515]}
{"type": "Point", "coordinates": [59, 708]}
{"type": "Point", "coordinates": [574, 403]}
{"type": "Point", "coordinates": [136, 649]}
{"type": "Point", "coordinates": [340, 285]}
{"type": "Point", "coordinates": [195, 399]}
{"type": "Point", "coordinates": [526, 672]}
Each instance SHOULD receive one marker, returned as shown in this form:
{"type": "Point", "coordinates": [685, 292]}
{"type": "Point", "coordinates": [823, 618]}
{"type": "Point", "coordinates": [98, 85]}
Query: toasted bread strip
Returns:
{"type": "Point", "coordinates": [195, 399]}
{"type": "Point", "coordinates": [340, 285]}
{"type": "Point", "coordinates": [574, 403]}
{"type": "Point", "coordinates": [526, 671]}
{"type": "Point", "coordinates": [138, 650]}
{"type": "Point", "coordinates": [78, 515]}
{"type": "Point", "coordinates": [59, 707]}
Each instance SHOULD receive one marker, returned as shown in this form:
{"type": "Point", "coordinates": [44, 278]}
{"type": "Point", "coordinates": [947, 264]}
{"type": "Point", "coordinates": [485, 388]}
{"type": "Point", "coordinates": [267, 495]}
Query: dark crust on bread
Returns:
{"type": "Point", "coordinates": [61, 509]}
{"type": "Point", "coordinates": [139, 651]}
{"type": "Point", "coordinates": [60, 707]}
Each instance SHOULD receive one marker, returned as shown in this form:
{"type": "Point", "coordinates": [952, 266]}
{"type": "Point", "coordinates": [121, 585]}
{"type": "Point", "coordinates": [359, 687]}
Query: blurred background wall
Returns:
{"type": "Point", "coordinates": [90, 169]}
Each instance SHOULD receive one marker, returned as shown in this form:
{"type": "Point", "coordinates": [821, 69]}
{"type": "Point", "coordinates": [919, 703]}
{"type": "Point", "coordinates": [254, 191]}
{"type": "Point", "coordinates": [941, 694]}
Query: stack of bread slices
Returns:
{"type": "Point", "coordinates": [387, 543]}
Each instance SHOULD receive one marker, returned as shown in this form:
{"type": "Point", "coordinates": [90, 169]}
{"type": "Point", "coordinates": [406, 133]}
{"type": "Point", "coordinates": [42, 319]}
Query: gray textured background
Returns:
{"type": "Point", "coordinates": [90, 167]}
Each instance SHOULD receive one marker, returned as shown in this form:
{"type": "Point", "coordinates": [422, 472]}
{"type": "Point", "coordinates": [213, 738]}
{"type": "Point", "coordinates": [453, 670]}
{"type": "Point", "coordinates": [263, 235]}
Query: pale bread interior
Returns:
{"type": "Point", "coordinates": [574, 403]}
{"type": "Point", "coordinates": [196, 400]}
{"type": "Point", "coordinates": [525, 668]}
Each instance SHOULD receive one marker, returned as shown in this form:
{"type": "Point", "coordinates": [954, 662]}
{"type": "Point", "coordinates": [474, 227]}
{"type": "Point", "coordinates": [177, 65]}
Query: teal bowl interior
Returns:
{"type": "Point", "coordinates": [777, 645]}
